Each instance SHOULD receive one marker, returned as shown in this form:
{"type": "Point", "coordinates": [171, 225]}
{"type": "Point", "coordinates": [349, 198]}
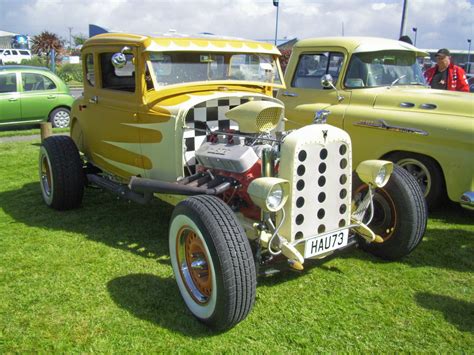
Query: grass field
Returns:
{"type": "Point", "coordinates": [98, 279]}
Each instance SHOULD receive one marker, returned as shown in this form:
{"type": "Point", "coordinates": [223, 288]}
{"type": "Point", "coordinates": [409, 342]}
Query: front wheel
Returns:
{"type": "Point", "coordinates": [400, 215]}
{"type": "Point", "coordinates": [212, 262]}
{"type": "Point", "coordinates": [60, 117]}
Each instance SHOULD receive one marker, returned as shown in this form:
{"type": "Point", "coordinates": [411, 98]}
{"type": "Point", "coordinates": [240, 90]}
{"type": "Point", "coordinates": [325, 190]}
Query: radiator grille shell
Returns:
{"type": "Point", "coordinates": [316, 159]}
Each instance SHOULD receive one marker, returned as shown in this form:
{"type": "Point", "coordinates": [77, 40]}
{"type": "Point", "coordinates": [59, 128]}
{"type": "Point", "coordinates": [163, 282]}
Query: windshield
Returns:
{"type": "Point", "coordinates": [183, 67]}
{"type": "Point", "coordinates": [383, 68]}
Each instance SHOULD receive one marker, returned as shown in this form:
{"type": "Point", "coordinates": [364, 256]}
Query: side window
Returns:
{"type": "Point", "coordinates": [335, 65]}
{"type": "Point", "coordinates": [24, 53]}
{"type": "Point", "coordinates": [7, 53]}
{"type": "Point", "coordinates": [15, 52]}
{"type": "Point", "coordinates": [311, 67]}
{"type": "Point", "coordinates": [8, 83]}
{"type": "Point", "coordinates": [90, 76]}
{"type": "Point", "coordinates": [36, 82]}
{"type": "Point", "coordinates": [117, 79]}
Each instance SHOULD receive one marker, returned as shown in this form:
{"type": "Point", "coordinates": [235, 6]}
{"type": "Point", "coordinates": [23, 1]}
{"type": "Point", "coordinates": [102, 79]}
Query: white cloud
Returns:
{"type": "Point", "coordinates": [440, 23]}
{"type": "Point", "coordinates": [378, 6]}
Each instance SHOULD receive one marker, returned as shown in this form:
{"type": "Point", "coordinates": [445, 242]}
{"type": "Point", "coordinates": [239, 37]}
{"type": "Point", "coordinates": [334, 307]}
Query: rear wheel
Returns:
{"type": "Point", "coordinates": [400, 215]}
{"type": "Point", "coordinates": [426, 172]}
{"type": "Point", "coordinates": [61, 173]}
{"type": "Point", "coordinates": [212, 261]}
{"type": "Point", "coordinates": [60, 117]}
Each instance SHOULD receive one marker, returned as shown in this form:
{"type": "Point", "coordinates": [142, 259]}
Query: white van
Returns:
{"type": "Point", "coordinates": [10, 55]}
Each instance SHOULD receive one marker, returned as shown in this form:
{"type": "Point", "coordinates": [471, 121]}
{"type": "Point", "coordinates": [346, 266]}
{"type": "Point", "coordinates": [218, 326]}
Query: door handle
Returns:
{"type": "Point", "coordinates": [13, 99]}
{"type": "Point", "coordinates": [51, 96]}
{"type": "Point", "coordinates": [289, 93]}
{"type": "Point", "coordinates": [93, 100]}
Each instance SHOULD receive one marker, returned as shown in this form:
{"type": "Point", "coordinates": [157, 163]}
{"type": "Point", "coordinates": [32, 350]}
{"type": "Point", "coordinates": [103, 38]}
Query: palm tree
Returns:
{"type": "Point", "coordinates": [43, 43]}
{"type": "Point", "coordinates": [79, 39]}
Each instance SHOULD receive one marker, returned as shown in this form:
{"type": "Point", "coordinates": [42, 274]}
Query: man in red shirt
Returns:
{"type": "Point", "coordinates": [445, 75]}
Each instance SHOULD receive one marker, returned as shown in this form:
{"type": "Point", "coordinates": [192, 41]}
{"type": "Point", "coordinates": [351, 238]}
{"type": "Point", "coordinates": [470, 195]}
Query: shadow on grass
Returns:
{"type": "Point", "coordinates": [142, 230]}
{"type": "Point", "coordinates": [452, 212]}
{"type": "Point", "coordinates": [450, 249]}
{"type": "Point", "coordinates": [156, 300]}
{"type": "Point", "coordinates": [444, 248]}
{"type": "Point", "coordinates": [457, 312]}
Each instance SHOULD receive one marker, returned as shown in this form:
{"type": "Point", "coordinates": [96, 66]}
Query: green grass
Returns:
{"type": "Point", "coordinates": [26, 131]}
{"type": "Point", "coordinates": [98, 279]}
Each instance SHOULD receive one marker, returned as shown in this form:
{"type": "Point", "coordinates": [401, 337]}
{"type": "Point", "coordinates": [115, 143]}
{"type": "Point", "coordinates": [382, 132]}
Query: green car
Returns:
{"type": "Point", "coordinates": [30, 95]}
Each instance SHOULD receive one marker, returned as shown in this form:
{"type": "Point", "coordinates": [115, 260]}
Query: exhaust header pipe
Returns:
{"type": "Point", "coordinates": [151, 186]}
{"type": "Point", "coordinates": [141, 190]}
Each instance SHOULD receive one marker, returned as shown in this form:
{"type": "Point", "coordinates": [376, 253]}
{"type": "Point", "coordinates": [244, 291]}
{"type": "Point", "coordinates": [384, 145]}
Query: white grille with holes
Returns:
{"type": "Point", "coordinates": [316, 159]}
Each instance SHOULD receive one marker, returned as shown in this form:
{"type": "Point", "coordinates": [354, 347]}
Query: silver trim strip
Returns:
{"type": "Point", "coordinates": [289, 93]}
{"type": "Point", "coordinates": [21, 122]}
{"type": "Point", "coordinates": [382, 124]}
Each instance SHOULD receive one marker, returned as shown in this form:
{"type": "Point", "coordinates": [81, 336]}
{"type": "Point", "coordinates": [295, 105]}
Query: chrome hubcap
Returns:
{"type": "Point", "coordinates": [61, 119]}
{"type": "Point", "coordinates": [419, 171]}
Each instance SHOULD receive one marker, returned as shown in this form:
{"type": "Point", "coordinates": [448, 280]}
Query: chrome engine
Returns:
{"type": "Point", "coordinates": [235, 158]}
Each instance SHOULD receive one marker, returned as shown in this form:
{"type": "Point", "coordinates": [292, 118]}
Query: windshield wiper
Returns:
{"type": "Point", "coordinates": [397, 80]}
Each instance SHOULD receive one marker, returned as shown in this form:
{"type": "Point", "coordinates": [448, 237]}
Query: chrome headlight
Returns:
{"type": "Point", "coordinates": [380, 177]}
{"type": "Point", "coordinates": [375, 172]}
{"type": "Point", "coordinates": [269, 193]}
{"type": "Point", "coordinates": [275, 197]}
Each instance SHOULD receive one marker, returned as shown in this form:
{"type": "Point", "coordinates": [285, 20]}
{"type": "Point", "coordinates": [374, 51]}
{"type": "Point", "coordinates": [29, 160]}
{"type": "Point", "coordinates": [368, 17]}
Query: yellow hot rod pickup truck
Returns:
{"type": "Point", "coordinates": [191, 120]}
{"type": "Point", "coordinates": [376, 92]}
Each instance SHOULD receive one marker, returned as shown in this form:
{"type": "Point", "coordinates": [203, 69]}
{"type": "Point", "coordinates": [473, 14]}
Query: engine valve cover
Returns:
{"type": "Point", "coordinates": [228, 157]}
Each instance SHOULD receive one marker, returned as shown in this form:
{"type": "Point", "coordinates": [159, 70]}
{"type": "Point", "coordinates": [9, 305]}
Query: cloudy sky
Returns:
{"type": "Point", "coordinates": [440, 23]}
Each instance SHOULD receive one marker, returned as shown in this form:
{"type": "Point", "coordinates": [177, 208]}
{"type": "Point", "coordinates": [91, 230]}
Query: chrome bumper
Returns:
{"type": "Point", "coordinates": [467, 200]}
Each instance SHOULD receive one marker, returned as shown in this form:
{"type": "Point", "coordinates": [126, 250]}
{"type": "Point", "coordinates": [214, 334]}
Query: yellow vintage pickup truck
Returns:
{"type": "Point", "coordinates": [376, 92]}
{"type": "Point", "coordinates": [192, 121]}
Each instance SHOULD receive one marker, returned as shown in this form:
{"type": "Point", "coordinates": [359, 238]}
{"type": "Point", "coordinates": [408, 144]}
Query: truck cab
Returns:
{"type": "Point", "coordinates": [379, 96]}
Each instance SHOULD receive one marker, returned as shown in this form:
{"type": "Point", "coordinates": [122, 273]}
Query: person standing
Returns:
{"type": "Point", "coordinates": [445, 75]}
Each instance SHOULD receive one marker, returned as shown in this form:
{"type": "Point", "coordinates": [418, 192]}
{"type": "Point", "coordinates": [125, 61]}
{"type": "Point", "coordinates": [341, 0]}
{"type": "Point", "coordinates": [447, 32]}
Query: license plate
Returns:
{"type": "Point", "coordinates": [326, 242]}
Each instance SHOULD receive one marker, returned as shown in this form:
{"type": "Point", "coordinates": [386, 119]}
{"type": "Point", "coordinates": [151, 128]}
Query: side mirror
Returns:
{"type": "Point", "coordinates": [327, 81]}
{"type": "Point", "coordinates": [119, 60]}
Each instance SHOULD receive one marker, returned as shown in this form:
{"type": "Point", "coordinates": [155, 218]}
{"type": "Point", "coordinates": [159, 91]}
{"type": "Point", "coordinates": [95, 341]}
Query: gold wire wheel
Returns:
{"type": "Point", "coordinates": [194, 265]}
